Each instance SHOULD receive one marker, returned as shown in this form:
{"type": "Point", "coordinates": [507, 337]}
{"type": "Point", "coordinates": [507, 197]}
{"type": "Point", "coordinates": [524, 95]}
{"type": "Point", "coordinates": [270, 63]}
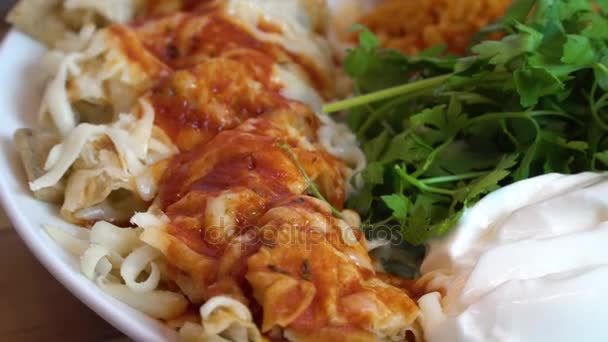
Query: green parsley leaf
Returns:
{"type": "Point", "coordinates": [373, 149]}
{"type": "Point", "coordinates": [367, 40]}
{"type": "Point", "coordinates": [603, 157]}
{"type": "Point", "coordinates": [440, 132]}
{"type": "Point", "coordinates": [518, 11]}
{"type": "Point", "coordinates": [399, 204]}
{"type": "Point", "coordinates": [532, 83]}
{"type": "Point", "coordinates": [374, 173]}
{"type": "Point", "coordinates": [578, 50]}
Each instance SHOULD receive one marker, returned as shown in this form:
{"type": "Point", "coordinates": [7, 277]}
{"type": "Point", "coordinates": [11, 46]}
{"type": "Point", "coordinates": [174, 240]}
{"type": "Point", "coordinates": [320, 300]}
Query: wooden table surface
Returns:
{"type": "Point", "coordinates": [33, 305]}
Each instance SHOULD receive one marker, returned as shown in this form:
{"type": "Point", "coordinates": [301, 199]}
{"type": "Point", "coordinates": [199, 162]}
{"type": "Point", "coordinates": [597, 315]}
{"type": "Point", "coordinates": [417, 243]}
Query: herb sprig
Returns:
{"type": "Point", "coordinates": [439, 132]}
{"type": "Point", "coordinates": [311, 185]}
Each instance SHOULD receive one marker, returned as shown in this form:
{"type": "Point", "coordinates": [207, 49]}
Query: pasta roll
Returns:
{"type": "Point", "coordinates": [223, 319]}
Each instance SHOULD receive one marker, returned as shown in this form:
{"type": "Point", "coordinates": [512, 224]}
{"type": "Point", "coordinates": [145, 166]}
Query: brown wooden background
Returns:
{"type": "Point", "coordinates": [34, 306]}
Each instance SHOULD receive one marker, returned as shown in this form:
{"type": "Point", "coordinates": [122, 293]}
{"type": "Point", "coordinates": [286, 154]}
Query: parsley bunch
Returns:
{"type": "Point", "coordinates": [441, 131]}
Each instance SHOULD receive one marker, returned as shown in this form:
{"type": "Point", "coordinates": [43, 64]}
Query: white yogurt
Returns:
{"type": "Point", "coordinates": [528, 263]}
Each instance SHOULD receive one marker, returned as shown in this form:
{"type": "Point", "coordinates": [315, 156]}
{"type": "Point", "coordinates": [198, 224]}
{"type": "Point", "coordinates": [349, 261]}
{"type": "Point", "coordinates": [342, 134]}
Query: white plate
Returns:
{"type": "Point", "coordinates": [20, 93]}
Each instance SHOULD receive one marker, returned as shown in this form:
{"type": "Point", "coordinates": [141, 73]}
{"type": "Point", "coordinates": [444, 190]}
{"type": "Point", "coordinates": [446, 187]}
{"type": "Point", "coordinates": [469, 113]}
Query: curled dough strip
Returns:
{"type": "Point", "coordinates": [157, 304]}
{"type": "Point", "coordinates": [135, 264]}
{"type": "Point", "coordinates": [67, 241]}
{"type": "Point", "coordinates": [152, 219]}
{"type": "Point", "coordinates": [237, 308]}
{"type": "Point", "coordinates": [119, 240]}
{"type": "Point", "coordinates": [223, 319]}
{"type": "Point", "coordinates": [97, 261]}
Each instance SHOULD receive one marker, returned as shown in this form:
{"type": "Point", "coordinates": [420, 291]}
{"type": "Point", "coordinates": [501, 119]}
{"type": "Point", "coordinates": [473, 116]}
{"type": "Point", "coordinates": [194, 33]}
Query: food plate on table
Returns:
{"type": "Point", "coordinates": [20, 54]}
{"type": "Point", "coordinates": [249, 170]}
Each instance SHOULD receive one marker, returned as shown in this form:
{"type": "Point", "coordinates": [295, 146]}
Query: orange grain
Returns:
{"type": "Point", "coordinates": [413, 25]}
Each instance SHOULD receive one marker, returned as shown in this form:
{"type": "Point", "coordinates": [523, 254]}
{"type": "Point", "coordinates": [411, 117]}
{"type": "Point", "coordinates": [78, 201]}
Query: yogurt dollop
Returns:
{"type": "Point", "coordinates": [529, 262]}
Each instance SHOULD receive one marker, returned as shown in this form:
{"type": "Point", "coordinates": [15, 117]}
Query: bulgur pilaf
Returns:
{"type": "Point", "coordinates": [413, 25]}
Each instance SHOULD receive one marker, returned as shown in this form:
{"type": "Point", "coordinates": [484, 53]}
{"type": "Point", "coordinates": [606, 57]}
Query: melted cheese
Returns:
{"type": "Point", "coordinates": [120, 11]}
{"type": "Point", "coordinates": [239, 86]}
{"type": "Point", "coordinates": [295, 88]}
{"type": "Point", "coordinates": [297, 35]}
{"type": "Point", "coordinates": [313, 280]}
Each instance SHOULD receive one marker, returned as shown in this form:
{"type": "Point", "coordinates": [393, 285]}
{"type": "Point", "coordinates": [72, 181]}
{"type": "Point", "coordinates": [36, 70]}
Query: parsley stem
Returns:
{"type": "Point", "coordinates": [430, 159]}
{"type": "Point", "coordinates": [602, 67]}
{"type": "Point", "coordinates": [453, 178]}
{"type": "Point", "coordinates": [377, 114]}
{"type": "Point", "coordinates": [596, 116]}
{"type": "Point", "coordinates": [313, 188]}
{"type": "Point", "coordinates": [517, 115]}
{"type": "Point", "coordinates": [422, 186]}
{"type": "Point", "coordinates": [423, 84]}
{"type": "Point", "coordinates": [470, 97]}
{"type": "Point", "coordinates": [523, 170]}
{"type": "Point", "coordinates": [507, 132]}
{"type": "Point", "coordinates": [498, 116]}
{"type": "Point", "coordinates": [596, 130]}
